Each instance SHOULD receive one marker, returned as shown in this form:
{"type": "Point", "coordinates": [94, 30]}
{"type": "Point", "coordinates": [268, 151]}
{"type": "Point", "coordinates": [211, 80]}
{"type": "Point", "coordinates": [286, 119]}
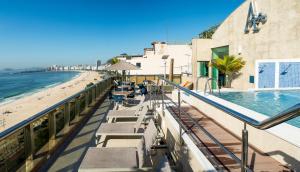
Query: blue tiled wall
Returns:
{"type": "Point", "coordinates": [266, 75]}
{"type": "Point", "coordinates": [289, 74]}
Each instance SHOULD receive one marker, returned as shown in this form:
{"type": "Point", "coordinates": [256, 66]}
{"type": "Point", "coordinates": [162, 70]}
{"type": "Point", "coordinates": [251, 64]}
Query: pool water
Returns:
{"type": "Point", "coordinates": [269, 103]}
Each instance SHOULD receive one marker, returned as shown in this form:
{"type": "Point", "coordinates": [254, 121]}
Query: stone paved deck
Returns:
{"type": "Point", "coordinates": [70, 157]}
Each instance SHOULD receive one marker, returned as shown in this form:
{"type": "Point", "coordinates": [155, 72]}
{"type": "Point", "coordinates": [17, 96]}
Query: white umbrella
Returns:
{"type": "Point", "coordinates": [122, 65]}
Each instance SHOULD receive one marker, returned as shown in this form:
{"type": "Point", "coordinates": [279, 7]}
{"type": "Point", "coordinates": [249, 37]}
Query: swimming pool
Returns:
{"type": "Point", "coordinates": [269, 103]}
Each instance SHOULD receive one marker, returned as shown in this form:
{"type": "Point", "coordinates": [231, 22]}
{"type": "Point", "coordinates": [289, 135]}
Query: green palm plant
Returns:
{"type": "Point", "coordinates": [113, 60]}
{"type": "Point", "coordinates": [230, 66]}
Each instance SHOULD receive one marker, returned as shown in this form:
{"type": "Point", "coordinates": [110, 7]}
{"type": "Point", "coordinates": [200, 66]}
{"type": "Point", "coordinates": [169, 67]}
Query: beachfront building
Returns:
{"type": "Point", "coordinates": [156, 59]}
{"type": "Point", "coordinates": [266, 33]}
{"type": "Point", "coordinates": [98, 64]}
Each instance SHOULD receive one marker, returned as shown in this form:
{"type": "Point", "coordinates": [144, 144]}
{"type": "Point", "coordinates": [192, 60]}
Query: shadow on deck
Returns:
{"type": "Point", "coordinates": [69, 156]}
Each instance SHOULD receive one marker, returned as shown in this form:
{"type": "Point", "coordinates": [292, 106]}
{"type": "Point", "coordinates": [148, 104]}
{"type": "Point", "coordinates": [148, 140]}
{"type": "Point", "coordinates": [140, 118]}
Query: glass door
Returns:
{"type": "Point", "coordinates": [219, 52]}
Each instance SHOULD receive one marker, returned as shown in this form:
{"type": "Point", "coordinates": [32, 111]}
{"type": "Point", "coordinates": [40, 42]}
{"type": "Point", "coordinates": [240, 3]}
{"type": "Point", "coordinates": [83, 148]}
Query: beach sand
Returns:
{"type": "Point", "coordinates": [25, 107]}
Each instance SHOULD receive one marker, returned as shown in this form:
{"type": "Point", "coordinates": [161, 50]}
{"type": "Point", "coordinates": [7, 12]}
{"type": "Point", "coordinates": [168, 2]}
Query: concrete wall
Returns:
{"type": "Point", "coordinates": [186, 154]}
{"type": "Point", "coordinates": [201, 51]}
{"type": "Point", "coordinates": [278, 38]}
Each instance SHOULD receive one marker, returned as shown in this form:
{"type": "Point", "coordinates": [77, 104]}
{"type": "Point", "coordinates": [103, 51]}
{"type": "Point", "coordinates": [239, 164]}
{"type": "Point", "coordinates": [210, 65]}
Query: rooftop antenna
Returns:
{"type": "Point", "coordinates": [167, 34]}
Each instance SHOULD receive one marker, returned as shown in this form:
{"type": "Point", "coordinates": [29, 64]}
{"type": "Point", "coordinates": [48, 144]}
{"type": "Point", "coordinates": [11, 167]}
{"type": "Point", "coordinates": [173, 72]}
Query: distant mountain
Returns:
{"type": "Point", "coordinates": [8, 69]}
{"type": "Point", "coordinates": [31, 70]}
{"type": "Point", "coordinates": [26, 70]}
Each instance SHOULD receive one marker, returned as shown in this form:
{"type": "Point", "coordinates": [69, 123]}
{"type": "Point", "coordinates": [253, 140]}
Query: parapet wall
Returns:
{"type": "Point", "coordinates": [186, 154]}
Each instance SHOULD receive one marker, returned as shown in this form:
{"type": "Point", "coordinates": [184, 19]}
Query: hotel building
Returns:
{"type": "Point", "coordinates": [266, 33]}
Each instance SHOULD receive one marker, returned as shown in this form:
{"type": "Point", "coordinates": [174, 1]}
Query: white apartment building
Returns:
{"type": "Point", "coordinates": [152, 62]}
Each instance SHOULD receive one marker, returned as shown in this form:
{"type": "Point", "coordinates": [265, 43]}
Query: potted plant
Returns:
{"type": "Point", "coordinates": [230, 66]}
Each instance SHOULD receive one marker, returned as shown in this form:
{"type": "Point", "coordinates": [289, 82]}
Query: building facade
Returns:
{"type": "Point", "coordinates": [266, 33]}
{"type": "Point", "coordinates": [156, 59]}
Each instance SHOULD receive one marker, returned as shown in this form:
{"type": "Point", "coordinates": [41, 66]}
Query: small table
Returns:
{"type": "Point", "coordinates": [126, 83]}
{"type": "Point", "coordinates": [124, 87]}
{"type": "Point", "coordinates": [122, 93]}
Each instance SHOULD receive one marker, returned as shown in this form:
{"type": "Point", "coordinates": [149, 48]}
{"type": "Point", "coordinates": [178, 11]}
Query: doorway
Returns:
{"type": "Point", "coordinates": [218, 52]}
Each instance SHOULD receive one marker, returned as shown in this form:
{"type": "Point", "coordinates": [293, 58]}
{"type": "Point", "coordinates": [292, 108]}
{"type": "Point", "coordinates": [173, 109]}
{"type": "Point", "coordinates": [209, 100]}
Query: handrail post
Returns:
{"type": "Point", "coordinates": [179, 103]}
{"type": "Point", "coordinates": [101, 88]}
{"type": "Point", "coordinates": [86, 99]}
{"type": "Point", "coordinates": [244, 149]}
{"type": "Point", "coordinates": [52, 129]}
{"type": "Point", "coordinates": [106, 84]}
{"type": "Point", "coordinates": [77, 109]}
{"type": "Point", "coordinates": [162, 98]}
{"type": "Point", "coordinates": [29, 146]}
{"type": "Point", "coordinates": [150, 91]}
{"type": "Point", "coordinates": [67, 117]}
{"type": "Point", "coordinates": [154, 99]}
{"type": "Point", "coordinates": [179, 115]}
{"type": "Point", "coordinates": [97, 91]}
{"type": "Point", "coordinates": [93, 90]}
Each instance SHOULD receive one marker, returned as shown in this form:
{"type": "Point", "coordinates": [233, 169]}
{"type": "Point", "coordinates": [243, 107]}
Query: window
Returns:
{"type": "Point", "coordinates": [138, 64]}
{"type": "Point", "coordinates": [202, 68]}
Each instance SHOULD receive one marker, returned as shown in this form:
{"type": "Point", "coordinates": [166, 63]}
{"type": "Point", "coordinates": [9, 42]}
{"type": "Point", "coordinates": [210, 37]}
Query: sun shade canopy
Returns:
{"type": "Point", "coordinates": [122, 65]}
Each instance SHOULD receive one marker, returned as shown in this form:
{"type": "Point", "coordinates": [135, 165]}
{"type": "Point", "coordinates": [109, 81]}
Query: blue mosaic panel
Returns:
{"type": "Point", "coordinates": [266, 75]}
{"type": "Point", "coordinates": [289, 74]}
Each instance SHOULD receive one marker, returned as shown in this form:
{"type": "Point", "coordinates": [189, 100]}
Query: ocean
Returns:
{"type": "Point", "coordinates": [16, 84]}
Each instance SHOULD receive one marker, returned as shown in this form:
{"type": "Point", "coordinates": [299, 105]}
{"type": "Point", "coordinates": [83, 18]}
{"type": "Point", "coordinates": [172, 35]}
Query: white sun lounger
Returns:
{"type": "Point", "coordinates": [114, 116]}
{"type": "Point", "coordinates": [126, 158]}
{"type": "Point", "coordinates": [126, 139]}
{"type": "Point", "coordinates": [109, 159]}
{"type": "Point", "coordinates": [119, 129]}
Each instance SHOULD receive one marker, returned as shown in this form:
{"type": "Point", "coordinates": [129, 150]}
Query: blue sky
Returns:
{"type": "Point", "coordinates": [41, 33]}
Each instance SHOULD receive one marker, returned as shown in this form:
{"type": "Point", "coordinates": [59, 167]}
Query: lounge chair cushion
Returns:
{"type": "Point", "coordinates": [115, 128]}
{"type": "Point", "coordinates": [109, 159]}
{"type": "Point", "coordinates": [113, 113]}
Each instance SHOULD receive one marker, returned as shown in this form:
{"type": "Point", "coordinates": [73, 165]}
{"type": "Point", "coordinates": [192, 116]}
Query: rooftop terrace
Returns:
{"type": "Point", "coordinates": [159, 132]}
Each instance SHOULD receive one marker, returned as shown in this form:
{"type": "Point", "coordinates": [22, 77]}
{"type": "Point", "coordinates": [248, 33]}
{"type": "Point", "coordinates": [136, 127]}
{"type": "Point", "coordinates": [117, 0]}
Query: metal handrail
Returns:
{"type": "Point", "coordinates": [27, 121]}
{"type": "Point", "coordinates": [197, 81]}
{"type": "Point", "coordinates": [210, 136]}
{"type": "Point", "coordinates": [210, 89]}
{"type": "Point", "coordinates": [282, 117]}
